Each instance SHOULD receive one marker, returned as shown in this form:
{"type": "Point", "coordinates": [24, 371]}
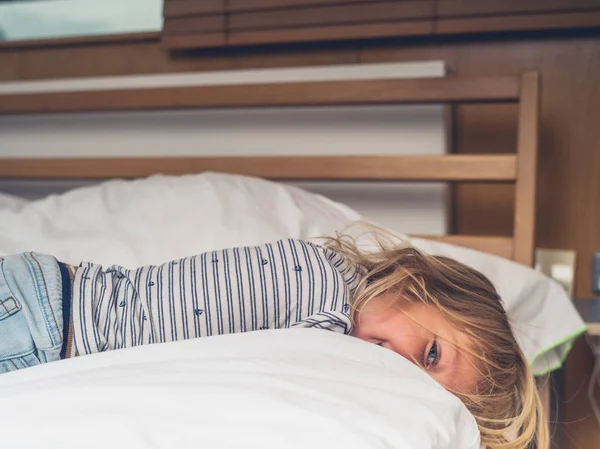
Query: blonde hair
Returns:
{"type": "Point", "coordinates": [507, 404]}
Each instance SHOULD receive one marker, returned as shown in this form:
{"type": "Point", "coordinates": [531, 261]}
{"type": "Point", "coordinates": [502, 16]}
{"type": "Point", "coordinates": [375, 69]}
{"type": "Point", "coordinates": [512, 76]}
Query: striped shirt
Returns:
{"type": "Point", "coordinates": [290, 283]}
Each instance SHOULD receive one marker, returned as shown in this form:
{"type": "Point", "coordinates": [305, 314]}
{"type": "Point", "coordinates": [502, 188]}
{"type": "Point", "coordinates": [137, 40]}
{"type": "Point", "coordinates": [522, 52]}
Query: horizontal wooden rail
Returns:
{"type": "Point", "coordinates": [183, 8]}
{"type": "Point", "coordinates": [499, 246]}
{"type": "Point", "coordinates": [420, 90]}
{"type": "Point", "coordinates": [363, 168]}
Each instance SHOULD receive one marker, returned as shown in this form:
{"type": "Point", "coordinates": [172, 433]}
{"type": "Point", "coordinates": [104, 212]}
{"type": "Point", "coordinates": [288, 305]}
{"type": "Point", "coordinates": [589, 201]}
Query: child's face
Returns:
{"type": "Point", "coordinates": [409, 330]}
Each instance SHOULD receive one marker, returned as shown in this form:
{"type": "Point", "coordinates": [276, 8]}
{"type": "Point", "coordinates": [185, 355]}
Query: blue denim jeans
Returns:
{"type": "Point", "coordinates": [31, 315]}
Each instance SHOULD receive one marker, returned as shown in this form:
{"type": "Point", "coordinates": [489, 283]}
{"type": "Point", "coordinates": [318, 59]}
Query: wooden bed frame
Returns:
{"type": "Point", "coordinates": [518, 168]}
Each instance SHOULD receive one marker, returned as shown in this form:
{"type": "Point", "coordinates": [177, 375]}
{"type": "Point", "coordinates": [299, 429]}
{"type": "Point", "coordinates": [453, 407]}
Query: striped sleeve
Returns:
{"type": "Point", "coordinates": [333, 321]}
{"type": "Point", "coordinates": [289, 283]}
{"type": "Point", "coordinates": [337, 283]}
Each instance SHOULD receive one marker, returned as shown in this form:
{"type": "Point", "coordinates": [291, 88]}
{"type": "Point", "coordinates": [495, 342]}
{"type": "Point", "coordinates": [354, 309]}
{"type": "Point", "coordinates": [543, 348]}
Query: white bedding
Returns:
{"type": "Point", "coordinates": [11, 203]}
{"type": "Point", "coordinates": [300, 388]}
{"type": "Point", "coordinates": [154, 220]}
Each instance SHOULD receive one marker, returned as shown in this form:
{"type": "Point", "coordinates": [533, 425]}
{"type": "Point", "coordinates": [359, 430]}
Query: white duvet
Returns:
{"type": "Point", "coordinates": [300, 388]}
{"type": "Point", "coordinates": [151, 221]}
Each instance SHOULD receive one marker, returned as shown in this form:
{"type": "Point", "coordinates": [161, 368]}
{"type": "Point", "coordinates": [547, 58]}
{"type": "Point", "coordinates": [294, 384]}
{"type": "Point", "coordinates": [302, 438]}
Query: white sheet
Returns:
{"type": "Point", "coordinates": [154, 220]}
{"type": "Point", "coordinates": [11, 202]}
{"type": "Point", "coordinates": [289, 389]}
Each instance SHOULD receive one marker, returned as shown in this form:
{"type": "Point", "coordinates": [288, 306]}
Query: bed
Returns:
{"type": "Point", "coordinates": [489, 253]}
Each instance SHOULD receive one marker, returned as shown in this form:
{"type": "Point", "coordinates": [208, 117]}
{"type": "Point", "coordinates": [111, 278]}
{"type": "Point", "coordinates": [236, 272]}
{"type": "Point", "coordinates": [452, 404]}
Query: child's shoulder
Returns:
{"type": "Point", "coordinates": [316, 246]}
{"type": "Point", "coordinates": [299, 242]}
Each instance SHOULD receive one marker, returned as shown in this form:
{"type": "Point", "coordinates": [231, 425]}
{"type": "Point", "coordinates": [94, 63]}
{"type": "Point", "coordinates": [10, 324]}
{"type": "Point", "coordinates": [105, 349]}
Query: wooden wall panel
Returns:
{"type": "Point", "coordinates": [296, 58]}
{"type": "Point", "coordinates": [452, 8]}
{"type": "Point", "coordinates": [182, 8]}
{"type": "Point", "coordinates": [102, 60]}
{"type": "Point", "coordinates": [252, 5]}
{"type": "Point", "coordinates": [10, 65]}
{"type": "Point", "coordinates": [146, 55]}
{"type": "Point", "coordinates": [185, 41]}
{"type": "Point", "coordinates": [261, 22]}
{"type": "Point", "coordinates": [331, 15]}
{"type": "Point", "coordinates": [514, 23]}
{"type": "Point", "coordinates": [195, 24]}
{"type": "Point", "coordinates": [332, 33]}
{"type": "Point", "coordinates": [267, 22]}
{"type": "Point", "coordinates": [485, 208]}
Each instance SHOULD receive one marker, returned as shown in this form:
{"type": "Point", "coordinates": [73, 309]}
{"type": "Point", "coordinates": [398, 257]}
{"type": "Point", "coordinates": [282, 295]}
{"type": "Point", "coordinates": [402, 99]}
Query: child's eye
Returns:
{"type": "Point", "coordinates": [432, 357]}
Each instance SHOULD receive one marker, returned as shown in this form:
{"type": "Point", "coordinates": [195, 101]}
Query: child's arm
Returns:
{"type": "Point", "coordinates": [333, 321]}
{"type": "Point", "coordinates": [272, 286]}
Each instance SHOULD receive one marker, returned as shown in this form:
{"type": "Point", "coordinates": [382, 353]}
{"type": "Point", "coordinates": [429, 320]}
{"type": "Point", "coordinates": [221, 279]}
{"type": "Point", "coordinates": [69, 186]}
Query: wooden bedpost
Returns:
{"type": "Point", "coordinates": [525, 189]}
{"type": "Point", "coordinates": [527, 148]}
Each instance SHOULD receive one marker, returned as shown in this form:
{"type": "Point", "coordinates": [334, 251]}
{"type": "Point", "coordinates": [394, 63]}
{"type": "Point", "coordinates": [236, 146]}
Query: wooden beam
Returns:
{"type": "Point", "coordinates": [499, 246]}
{"type": "Point", "coordinates": [449, 8]}
{"type": "Point", "coordinates": [358, 13]}
{"type": "Point", "coordinates": [527, 148]}
{"type": "Point", "coordinates": [195, 25]}
{"type": "Point", "coordinates": [416, 90]}
{"type": "Point", "coordinates": [251, 5]}
{"type": "Point", "coordinates": [184, 8]}
{"type": "Point", "coordinates": [183, 41]}
{"type": "Point", "coordinates": [332, 33]}
{"type": "Point", "coordinates": [363, 168]}
{"type": "Point", "coordinates": [80, 41]}
{"type": "Point", "coordinates": [521, 22]}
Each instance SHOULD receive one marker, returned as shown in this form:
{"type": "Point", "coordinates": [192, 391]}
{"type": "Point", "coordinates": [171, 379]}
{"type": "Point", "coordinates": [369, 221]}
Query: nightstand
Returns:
{"type": "Point", "coordinates": [589, 309]}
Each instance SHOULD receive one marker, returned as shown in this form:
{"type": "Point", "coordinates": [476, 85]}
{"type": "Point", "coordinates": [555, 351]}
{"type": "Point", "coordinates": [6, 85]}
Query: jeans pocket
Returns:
{"type": "Point", "coordinates": [8, 306]}
{"type": "Point", "coordinates": [20, 362]}
{"type": "Point", "coordinates": [16, 342]}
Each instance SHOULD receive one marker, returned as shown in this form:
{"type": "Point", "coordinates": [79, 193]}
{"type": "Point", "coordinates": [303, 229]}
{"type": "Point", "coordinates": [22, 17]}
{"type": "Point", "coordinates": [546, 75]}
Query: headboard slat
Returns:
{"type": "Point", "coordinates": [499, 246]}
{"type": "Point", "coordinates": [495, 168]}
{"type": "Point", "coordinates": [527, 148]}
{"type": "Point", "coordinates": [519, 168]}
{"type": "Point", "coordinates": [324, 93]}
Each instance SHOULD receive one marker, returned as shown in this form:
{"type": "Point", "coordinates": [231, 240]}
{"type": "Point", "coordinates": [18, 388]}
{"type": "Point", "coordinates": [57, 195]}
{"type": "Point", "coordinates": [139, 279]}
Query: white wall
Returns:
{"type": "Point", "coordinates": [419, 208]}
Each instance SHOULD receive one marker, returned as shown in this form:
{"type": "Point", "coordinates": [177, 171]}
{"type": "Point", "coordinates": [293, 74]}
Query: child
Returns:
{"type": "Point", "coordinates": [440, 314]}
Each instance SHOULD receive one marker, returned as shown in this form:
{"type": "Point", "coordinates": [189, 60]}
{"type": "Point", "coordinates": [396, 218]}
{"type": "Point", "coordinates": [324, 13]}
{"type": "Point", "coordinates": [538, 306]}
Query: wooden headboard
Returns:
{"type": "Point", "coordinates": [518, 168]}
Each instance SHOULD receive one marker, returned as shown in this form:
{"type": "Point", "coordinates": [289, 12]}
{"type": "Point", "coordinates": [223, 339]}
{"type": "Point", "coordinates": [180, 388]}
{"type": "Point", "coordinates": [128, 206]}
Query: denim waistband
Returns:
{"type": "Point", "coordinates": [65, 275]}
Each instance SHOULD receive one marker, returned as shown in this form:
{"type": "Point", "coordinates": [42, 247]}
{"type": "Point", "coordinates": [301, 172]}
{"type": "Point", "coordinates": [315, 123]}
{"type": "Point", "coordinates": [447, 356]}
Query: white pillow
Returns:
{"type": "Point", "coordinates": [11, 202]}
{"type": "Point", "coordinates": [154, 220]}
{"type": "Point", "coordinates": [151, 221]}
{"type": "Point", "coordinates": [235, 391]}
